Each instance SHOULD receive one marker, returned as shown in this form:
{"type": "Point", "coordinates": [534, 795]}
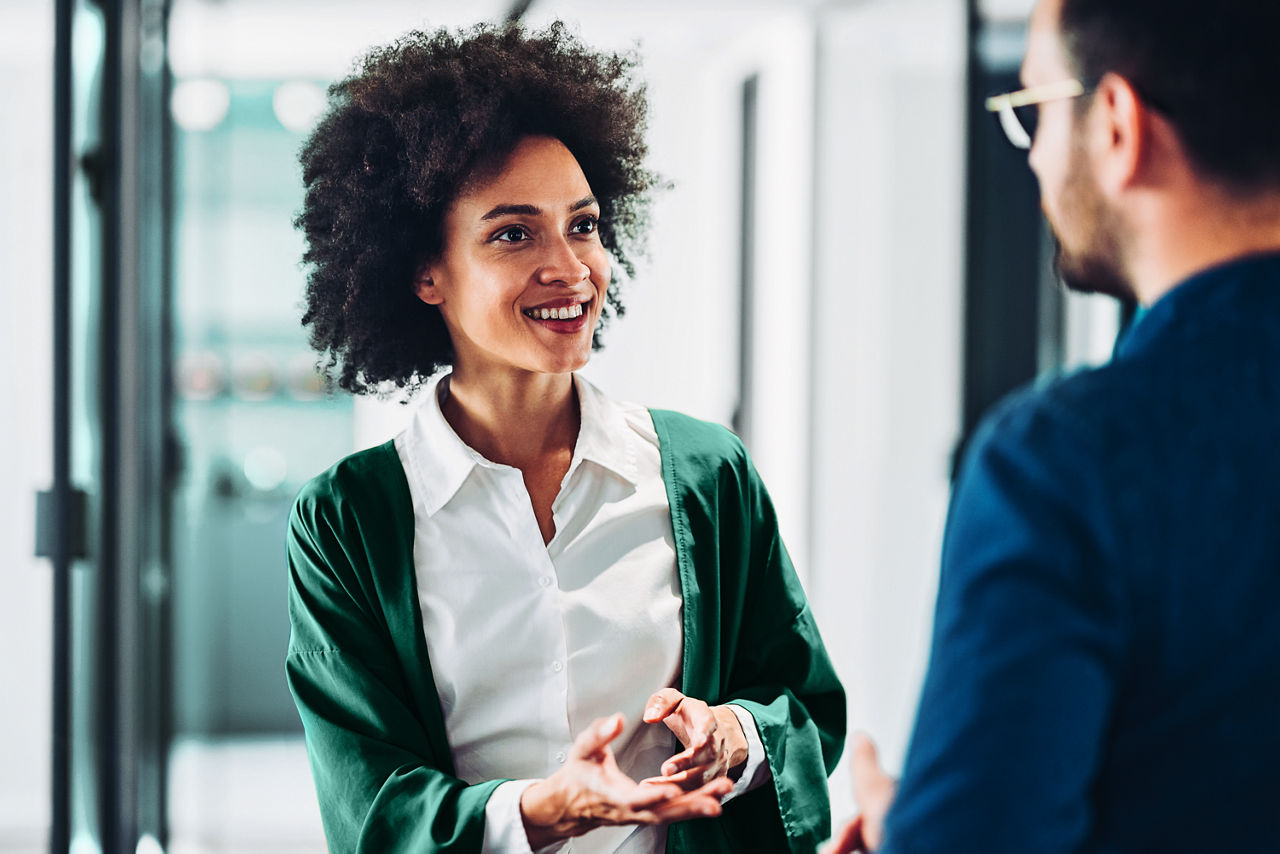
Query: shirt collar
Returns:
{"type": "Point", "coordinates": [442, 462]}
{"type": "Point", "coordinates": [605, 438]}
{"type": "Point", "coordinates": [1242, 287]}
{"type": "Point", "coordinates": [440, 459]}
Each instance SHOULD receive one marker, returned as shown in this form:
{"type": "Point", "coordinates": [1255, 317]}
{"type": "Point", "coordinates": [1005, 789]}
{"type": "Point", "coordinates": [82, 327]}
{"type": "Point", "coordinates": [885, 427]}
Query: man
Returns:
{"type": "Point", "coordinates": [1105, 670]}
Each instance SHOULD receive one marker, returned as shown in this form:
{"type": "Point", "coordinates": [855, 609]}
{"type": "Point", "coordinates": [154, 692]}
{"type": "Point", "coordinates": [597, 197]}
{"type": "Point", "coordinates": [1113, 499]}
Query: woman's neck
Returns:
{"type": "Point", "coordinates": [520, 420]}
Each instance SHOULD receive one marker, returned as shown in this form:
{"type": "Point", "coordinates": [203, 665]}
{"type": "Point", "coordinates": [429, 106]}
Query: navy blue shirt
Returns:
{"type": "Point", "coordinates": [1105, 670]}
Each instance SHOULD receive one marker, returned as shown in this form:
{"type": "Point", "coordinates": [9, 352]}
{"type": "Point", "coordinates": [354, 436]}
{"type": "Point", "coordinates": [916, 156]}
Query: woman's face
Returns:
{"type": "Point", "coordinates": [523, 274]}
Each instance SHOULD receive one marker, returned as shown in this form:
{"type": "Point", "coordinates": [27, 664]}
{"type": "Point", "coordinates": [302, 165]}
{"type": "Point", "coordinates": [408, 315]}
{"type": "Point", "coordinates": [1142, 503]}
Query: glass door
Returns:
{"type": "Point", "coordinates": [104, 521]}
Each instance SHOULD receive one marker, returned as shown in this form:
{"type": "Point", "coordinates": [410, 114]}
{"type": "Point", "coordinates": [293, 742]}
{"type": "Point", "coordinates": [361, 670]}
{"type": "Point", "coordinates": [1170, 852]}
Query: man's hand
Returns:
{"type": "Point", "coordinates": [874, 791]}
{"type": "Point", "coordinates": [591, 791]}
{"type": "Point", "coordinates": [714, 743]}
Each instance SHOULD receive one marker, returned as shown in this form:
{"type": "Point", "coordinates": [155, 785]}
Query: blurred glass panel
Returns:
{"type": "Point", "coordinates": [255, 422]}
{"type": "Point", "coordinates": [87, 45]}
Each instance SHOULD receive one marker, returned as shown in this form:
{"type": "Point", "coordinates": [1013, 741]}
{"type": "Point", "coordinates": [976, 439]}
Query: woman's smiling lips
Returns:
{"type": "Point", "coordinates": [565, 315]}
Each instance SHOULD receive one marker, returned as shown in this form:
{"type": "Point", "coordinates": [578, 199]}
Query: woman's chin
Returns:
{"type": "Point", "coordinates": [566, 366]}
{"type": "Point", "coordinates": [565, 359]}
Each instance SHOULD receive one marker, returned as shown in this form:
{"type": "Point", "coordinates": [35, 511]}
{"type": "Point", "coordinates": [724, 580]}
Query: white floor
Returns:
{"type": "Point", "coordinates": [247, 796]}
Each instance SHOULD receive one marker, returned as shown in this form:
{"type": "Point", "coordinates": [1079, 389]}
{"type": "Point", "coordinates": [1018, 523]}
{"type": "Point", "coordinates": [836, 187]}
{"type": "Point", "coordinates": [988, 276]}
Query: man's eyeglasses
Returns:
{"type": "Point", "coordinates": [1019, 111]}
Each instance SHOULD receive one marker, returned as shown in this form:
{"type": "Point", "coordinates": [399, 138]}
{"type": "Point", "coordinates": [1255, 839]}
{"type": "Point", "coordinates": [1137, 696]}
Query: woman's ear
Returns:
{"type": "Point", "coordinates": [424, 285]}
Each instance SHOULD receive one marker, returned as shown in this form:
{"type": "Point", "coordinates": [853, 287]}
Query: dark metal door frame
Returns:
{"type": "Point", "coordinates": [60, 552]}
{"type": "Point", "coordinates": [124, 386]}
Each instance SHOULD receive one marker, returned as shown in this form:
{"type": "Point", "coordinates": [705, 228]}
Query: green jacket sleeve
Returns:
{"type": "Point", "coordinates": [378, 755]}
{"type": "Point", "coordinates": [750, 639]}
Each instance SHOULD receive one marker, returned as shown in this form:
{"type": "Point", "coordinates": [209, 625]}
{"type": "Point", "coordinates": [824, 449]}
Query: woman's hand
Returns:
{"type": "Point", "coordinates": [714, 744]}
{"type": "Point", "coordinates": [591, 791]}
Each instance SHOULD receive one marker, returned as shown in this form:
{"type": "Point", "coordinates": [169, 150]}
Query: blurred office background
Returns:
{"type": "Point", "coordinates": [849, 268]}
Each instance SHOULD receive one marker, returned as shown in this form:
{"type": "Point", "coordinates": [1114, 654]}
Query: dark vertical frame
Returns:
{"type": "Point", "coordinates": [970, 384]}
{"type": "Point", "coordinates": [126, 684]}
{"type": "Point", "coordinates": [1003, 314]}
{"type": "Point", "coordinates": [151, 659]}
{"type": "Point", "coordinates": [170, 463]}
{"type": "Point", "coordinates": [107, 563]}
{"type": "Point", "coordinates": [746, 258]}
{"type": "Point", "coordinates": [60, 552]}
{"type": "Point", "coordinates": [133, 698]}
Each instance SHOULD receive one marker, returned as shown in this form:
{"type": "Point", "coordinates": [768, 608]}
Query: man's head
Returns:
{"type": "Point", "coordinates": [1179, 93]}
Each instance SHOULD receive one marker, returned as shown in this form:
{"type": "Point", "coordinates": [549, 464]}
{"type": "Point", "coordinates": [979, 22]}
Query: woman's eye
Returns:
{"type": "Point", "coordinates": [586, 225]}
{"type": "Point", "coordinates": [514, 234]}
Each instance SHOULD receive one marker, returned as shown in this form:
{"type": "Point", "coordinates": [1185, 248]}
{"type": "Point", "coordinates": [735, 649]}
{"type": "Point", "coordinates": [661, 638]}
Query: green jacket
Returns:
{"type": "Point", "coordinates": [360, 672]}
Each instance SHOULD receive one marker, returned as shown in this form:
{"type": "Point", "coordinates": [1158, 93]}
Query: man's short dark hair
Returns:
{"type": "Point", "coordinates": [405, 134]}
{"type": "Point", "coordinates": [1212, 67]}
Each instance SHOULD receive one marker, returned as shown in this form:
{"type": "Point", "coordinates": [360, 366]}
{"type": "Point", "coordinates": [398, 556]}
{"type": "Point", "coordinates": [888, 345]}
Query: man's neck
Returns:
{"type": "Point", "coordinates": [1193, 233]}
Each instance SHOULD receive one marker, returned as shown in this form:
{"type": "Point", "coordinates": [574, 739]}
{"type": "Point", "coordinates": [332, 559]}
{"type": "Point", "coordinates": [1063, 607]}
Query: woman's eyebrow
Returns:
{"type": "Point", "coordinates": [506, 210]}
{"type": "Point", "coordinates": [534, 210]}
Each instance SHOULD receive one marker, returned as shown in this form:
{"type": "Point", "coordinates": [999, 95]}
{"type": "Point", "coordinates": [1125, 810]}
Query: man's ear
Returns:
{"type": "Point", "coordinates": [424, 284]}
{"type": "Point", "coordinates": [1122, 135]}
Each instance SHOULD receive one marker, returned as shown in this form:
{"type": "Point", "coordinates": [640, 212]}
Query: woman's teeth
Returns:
{"type": "Point", "coordinates": [567, 312]}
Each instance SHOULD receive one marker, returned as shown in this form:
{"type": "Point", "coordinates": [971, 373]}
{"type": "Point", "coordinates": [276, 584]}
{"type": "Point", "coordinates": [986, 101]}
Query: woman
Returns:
{"type": "Point", "coordinates": [538, 614]}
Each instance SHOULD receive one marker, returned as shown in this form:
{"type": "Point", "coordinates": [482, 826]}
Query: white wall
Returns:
{"type": "Point", "coordinates": [307, 39]}
{"type": "Point", "coordinates": [888, 251]}
{"type": "Point", "coordinates": [26, 347]}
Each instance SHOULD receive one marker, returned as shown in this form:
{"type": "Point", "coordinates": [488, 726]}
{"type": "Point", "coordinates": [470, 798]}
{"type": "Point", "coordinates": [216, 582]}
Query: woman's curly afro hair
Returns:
{"type": "Point", "coordinates": [402, 137]}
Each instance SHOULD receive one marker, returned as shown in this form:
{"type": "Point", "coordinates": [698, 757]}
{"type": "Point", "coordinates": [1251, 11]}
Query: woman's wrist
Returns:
{"type": "Point", "coordinates": [539, 813]}
{"type": "Point", "coordinates": [736, 746]}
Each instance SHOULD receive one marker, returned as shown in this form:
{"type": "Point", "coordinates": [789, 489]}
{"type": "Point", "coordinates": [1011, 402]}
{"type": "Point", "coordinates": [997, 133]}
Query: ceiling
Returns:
{"type": "Point", "coordinates": [320, 39]}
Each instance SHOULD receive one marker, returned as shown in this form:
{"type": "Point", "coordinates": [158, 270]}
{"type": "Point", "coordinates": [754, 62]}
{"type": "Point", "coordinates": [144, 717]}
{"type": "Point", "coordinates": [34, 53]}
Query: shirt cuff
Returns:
{"type": "Point", "coordinates": [756, 770]}
{"type": "Point", "coordinates": [503, 826]}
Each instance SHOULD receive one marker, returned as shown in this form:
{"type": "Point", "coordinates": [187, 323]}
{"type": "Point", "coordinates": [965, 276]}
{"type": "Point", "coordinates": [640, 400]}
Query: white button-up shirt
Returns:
{"type": "Point", "coordinates": [531, 642]}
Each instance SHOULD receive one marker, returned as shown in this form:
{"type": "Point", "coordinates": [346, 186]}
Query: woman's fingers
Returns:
{"type": "Point", "coordinates": [692, 721]}
{"type": "Point", "coordinates": [688, 779]}
{"type": "Point", "coordinates": [689, 761]}
{"type": "Point", "coordinates": [661, 704]}
{"type": "Point", "coordinates": [699, 803]}
{"type": "Point", "coordinates": [682, 792]}
{"type": "Point", "coordinates": [596, 737]}
{"type": "Point", "coordinates": [700, 748]}
{"type": "Point", "coordinates": [679, 778]}
{"type": "Point", "coordinates": [624, 801]}
{"type": "Point", "coordinates": [708, 751]}
{"type": "Point", "coordinates": [614, 799]}
{"type": "Point", "coordinates": [648, 794]}
{"type": "Point", "coordinates": [591, 790]}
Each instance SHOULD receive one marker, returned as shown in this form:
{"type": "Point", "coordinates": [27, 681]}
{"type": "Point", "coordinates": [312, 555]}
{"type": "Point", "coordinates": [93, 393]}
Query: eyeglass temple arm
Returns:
{"type": "Point", "coordinates": [1036, 95]}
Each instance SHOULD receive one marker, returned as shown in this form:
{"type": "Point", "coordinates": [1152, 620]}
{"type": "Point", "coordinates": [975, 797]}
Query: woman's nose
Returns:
{"type": "Point", "coordinates": [560, 263]}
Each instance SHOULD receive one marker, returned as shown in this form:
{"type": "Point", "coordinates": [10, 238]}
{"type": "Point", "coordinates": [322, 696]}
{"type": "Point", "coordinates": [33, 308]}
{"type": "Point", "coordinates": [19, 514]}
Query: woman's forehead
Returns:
{"type": "Point", "coordinates": [540, 172]}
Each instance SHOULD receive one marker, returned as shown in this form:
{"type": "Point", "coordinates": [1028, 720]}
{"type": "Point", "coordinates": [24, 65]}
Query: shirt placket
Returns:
{"type": "Point", "coordinates": [553, 709]}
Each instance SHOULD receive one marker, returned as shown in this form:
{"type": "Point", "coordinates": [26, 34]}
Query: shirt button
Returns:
{"type": "Point", "coordinates": [557, 666]}
{"type": "Point", "coordinates": [545, 581]}
{"type": "Point", "coordinates": [560, 757]}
